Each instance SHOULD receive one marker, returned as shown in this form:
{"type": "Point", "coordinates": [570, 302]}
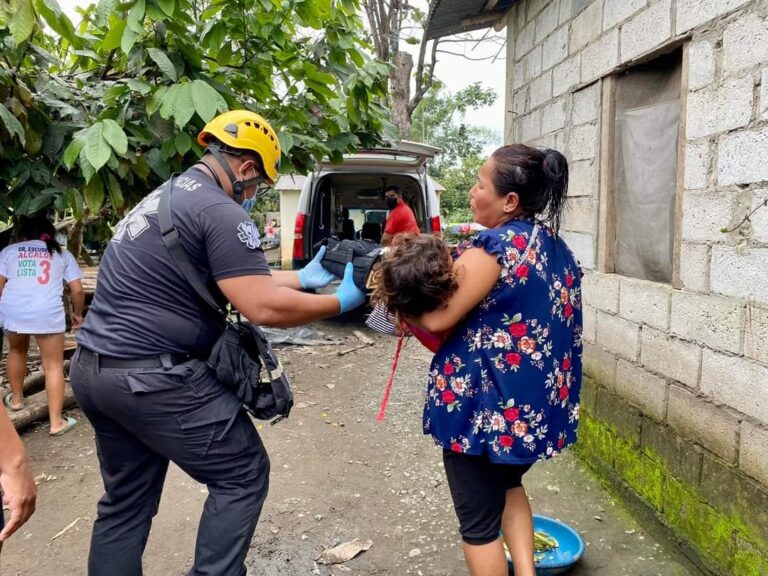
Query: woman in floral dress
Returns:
{"type": "Point", "coordinates": [504, 386]}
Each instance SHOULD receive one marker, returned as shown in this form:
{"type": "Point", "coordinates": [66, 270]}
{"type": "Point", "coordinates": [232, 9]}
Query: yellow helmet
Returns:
{"type": "Point", "coordinates": [245, 130]}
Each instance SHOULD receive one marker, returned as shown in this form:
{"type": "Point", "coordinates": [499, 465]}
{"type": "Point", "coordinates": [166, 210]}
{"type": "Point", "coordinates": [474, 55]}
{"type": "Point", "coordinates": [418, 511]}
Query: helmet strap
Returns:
{"type": "Point", "coordinates": [238, 186]}
{"type": "Point", "coordinates": [212, 171]}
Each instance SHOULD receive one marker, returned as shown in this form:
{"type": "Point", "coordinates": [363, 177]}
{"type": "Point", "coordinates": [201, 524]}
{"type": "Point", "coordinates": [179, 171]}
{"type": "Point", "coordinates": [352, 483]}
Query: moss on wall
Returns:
{"type": "Point", "coordinates": [727, 541]}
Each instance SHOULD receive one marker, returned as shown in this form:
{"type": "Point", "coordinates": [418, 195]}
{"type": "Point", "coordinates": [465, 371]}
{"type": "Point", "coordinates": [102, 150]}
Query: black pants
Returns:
{"type": "Point", "coordinates": [145, 418]}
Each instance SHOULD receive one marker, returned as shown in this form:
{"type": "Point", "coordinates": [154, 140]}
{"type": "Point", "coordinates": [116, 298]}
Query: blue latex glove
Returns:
{"type": "Point", "coordinates": [313, 275]}
{"type": "Point", "coordinates": [349, 295]}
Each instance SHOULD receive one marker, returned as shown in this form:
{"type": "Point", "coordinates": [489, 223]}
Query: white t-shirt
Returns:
{"type": "Point", "coordinates": [32, 298]}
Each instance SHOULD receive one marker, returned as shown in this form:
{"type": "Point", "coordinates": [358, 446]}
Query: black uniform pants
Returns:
{"type": "Point", "coordinates": [145, 418]}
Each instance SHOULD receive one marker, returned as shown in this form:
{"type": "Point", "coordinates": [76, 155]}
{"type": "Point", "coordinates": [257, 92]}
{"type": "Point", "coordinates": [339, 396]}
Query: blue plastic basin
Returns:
{"type": "Point", "coordinates": [562, 558]}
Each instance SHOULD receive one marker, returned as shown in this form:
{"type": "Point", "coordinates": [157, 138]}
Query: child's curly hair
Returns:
{"type": "Point", "coordinates": [415, 275]}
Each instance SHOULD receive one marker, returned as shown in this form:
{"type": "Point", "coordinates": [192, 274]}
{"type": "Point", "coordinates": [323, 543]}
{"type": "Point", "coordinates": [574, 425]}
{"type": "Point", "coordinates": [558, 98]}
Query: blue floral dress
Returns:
{"type": "Point", "coordinates": [507, 381]}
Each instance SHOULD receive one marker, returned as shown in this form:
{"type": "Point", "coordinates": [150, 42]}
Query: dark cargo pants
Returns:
{"type": "Point", "coordinates": [145, 418]}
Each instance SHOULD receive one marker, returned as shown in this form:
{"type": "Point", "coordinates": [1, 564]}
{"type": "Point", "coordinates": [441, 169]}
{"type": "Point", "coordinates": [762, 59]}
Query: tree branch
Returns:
{"type": "Point", "coordinates": [423, 86]}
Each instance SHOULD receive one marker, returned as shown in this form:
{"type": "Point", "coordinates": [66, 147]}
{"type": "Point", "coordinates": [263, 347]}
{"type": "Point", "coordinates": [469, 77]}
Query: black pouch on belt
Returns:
{"type": "Point", "coordinates": [243, 360]}
{"type": "Point", "coordinates": [362, 253]}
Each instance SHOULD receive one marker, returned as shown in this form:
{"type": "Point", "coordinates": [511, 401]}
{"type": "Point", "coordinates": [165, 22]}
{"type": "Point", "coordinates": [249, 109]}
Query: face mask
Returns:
{"type": "Point", "coordinates": [391, 202]}
{"type": "Point", "coordinates": [248, 204]}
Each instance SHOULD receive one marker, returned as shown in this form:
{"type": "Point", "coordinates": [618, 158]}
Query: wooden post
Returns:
{"type": "Point", "coordinates": [606, 234]}
{"type": "Point", "coordinates": [677, 230]}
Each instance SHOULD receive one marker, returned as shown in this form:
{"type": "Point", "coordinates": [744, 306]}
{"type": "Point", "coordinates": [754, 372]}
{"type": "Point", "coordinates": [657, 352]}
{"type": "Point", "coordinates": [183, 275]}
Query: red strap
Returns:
{"type": "Point", "coordinates": [388, 389]}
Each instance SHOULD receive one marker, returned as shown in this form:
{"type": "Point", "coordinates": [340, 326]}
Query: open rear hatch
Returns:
{"type": "Point", "coordinates": [403, 155]}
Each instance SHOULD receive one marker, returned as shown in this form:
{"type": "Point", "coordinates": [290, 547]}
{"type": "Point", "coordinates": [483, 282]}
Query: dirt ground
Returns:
{"type": "Point", "coordinates": [337, 474]}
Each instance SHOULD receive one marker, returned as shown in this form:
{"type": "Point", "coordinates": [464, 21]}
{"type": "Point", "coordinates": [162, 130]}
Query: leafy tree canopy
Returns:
{"type": "Point", "coordinates": [439, 121]}
{"type": "Point", "coordinates": [95, 114]}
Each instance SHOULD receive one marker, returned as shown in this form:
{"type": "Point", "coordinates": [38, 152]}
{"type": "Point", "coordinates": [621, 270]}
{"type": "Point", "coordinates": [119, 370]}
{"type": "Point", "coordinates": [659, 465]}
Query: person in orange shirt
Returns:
{"type": "Point", "coordinates": [400, 219]}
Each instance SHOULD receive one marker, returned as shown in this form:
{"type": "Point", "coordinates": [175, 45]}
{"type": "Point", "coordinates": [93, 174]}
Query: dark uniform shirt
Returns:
{"type": "Point", "coordinates": [143, 305]}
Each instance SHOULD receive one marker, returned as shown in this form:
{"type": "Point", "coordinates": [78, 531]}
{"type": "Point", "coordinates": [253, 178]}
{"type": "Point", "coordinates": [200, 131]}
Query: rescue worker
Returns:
{"type": "Point", "coordinates": [401, 219]}
{"type": "Point", "coordinates": [140, 375]}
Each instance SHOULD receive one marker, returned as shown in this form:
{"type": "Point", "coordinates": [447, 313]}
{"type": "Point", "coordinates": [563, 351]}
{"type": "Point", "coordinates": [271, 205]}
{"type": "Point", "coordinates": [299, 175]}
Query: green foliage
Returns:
{"type": "Point", "coordinates": [439, 121]}
{"type": "Point", "coordinates": [94, 116]}
{"type": "Point", "coordinates": [458, 180]}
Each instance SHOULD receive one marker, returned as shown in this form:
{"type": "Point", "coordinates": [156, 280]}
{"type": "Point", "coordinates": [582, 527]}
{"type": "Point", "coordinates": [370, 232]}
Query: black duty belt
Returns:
{"type": "Point", "coordinates": [161, 361]}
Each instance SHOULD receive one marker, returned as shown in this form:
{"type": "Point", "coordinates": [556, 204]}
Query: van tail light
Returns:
{"type": "Point", "coordinates": [298, 237]}
{"type": "Point", "coordinates": [436, 229]}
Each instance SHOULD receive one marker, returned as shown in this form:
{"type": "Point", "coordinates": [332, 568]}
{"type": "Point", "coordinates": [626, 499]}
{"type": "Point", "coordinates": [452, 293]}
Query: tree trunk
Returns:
{"type": "Point", "coordinates": [36, 408]}
{"type": "Point", "coordinates": [400, 90]}
{"type": "Point", "coordinates": [75, 238]}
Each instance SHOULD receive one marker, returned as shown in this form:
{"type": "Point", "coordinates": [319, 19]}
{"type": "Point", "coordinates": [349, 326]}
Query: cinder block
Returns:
{"type": "Point", "coordinates": [589, 318]}
{"type": "Point", "coordinates": [534, 7]}
{"type": "Point", "coordinates": [756, 333]}
{"type": "Point", "coordinates": [703, 422]}
{"type": "Point", "coordinates": [541, 89]}
{"type": "Point", "coordinates": [759, 218]}
{"type": "Point", "coordinates": [518, 74]}
{"type": "Point", "coordinates": [546, 21]}
{"type": "Point", "coordinates": [616, 11]}
{"type": "Point", "coordinates": [617, 413]}
{"type": "Point", "coordinates": [532, 64]}
{"type": "Point", "coordinates": [692, 13]}
{"type": "Point", "coordinates": [645, 302]}
{"type": "Point", "coordinates": [580, 215]}
{"type": "Point", "coordinates": [642, 389]}
{"type": "Point", "coordinates": [525, 39]}
{"type": "Point", "coordinates": [730, 491]}
{"type": "Point", "coordinates": [698, 164]}
{"type": "Point", "coordinates": [555, 48]}
{"type": "Point", "coordinates": [741, 157]}
{"type": "Point", "coordinates": [701, 64]}
{"type": "Point", "coordinates": [531, 126]}
{"type": "Point", "coordinates": [740, 272]}
{"type": "Point", "coordinates": [753, 456]}
{"type": "Point", "coordinates": [553, 116]}
{"type": "Point", "coordinates": [588, 397]}
{"type": "Point", "coordinates": [520, 18]}
{"type": "Point", "coordinates": [520, 101]}
{"type": "Point", "coordinates": [683, 458]}
{"type": "Point", "coordinates": [670, 357]}
{"type": "Point", "coordinates": [745, 43]}
{"type": "Point", "coordinates": [694, 266]}
{"type": "Point", "coordinates": [547, 141]}
{"type": "Point", "coordinates": [582, 143]}
{"type": "Point", "coordinates": [582, 178]}
{"type": "Point", "coordinates": [586, 104]}
{"type": "Point", "coordinates": [720, 110]}
{"type": "Point", "coordinates": [737, 382]}
{"type": "Point", "coordinates": [565, 11]}
{"type": "Point", "coordinates": [646, 30]}
{"type": "Point", "coordinates": [583, 246]}
{"type": "Point", "coordinates": [618, 335]}
{"type": "Point", "coordinates": [566, 75]}
{"type": "Point", "coordinates": [764, 94]}
{"type": "Point", "coordinates": [601, 57]}
{"type": "Point", "coordinates": [706, 213]}
{"type": "Point", "coordinates": [600, 365]}
{"type": "Point", "coordinates": [601, 291]}
{"type": "Point", "coordinates": [712, 320]}
{"type": "Point", "coordinates": [586, 27]}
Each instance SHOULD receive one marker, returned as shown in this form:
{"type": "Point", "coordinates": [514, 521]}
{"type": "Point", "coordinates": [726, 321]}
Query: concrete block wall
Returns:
{"type": "Point", "coordinates": [680, 373]}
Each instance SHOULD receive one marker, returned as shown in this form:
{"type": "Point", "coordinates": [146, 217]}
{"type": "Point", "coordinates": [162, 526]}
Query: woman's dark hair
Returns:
{"type": "Point", "coordinates": [538, 176]}
{"type": "Point", "coordinates": [415, 276]}
{"type": "Point", "coordinates": [39, 228]}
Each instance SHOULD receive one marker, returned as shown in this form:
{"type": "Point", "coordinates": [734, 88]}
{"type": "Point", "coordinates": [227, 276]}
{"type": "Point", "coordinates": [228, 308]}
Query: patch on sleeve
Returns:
{"type": "Point", "coordinates": [249, 234]}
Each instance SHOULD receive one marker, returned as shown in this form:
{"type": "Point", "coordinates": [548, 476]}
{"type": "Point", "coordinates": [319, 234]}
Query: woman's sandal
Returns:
{"type": "Point", "coordinates": [8, 401]}
{"type": "Point", "coordinates": [71, 422]}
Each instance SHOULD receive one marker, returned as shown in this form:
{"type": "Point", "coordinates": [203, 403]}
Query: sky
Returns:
{"type": "Point", "coordinates": [456, 72]}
